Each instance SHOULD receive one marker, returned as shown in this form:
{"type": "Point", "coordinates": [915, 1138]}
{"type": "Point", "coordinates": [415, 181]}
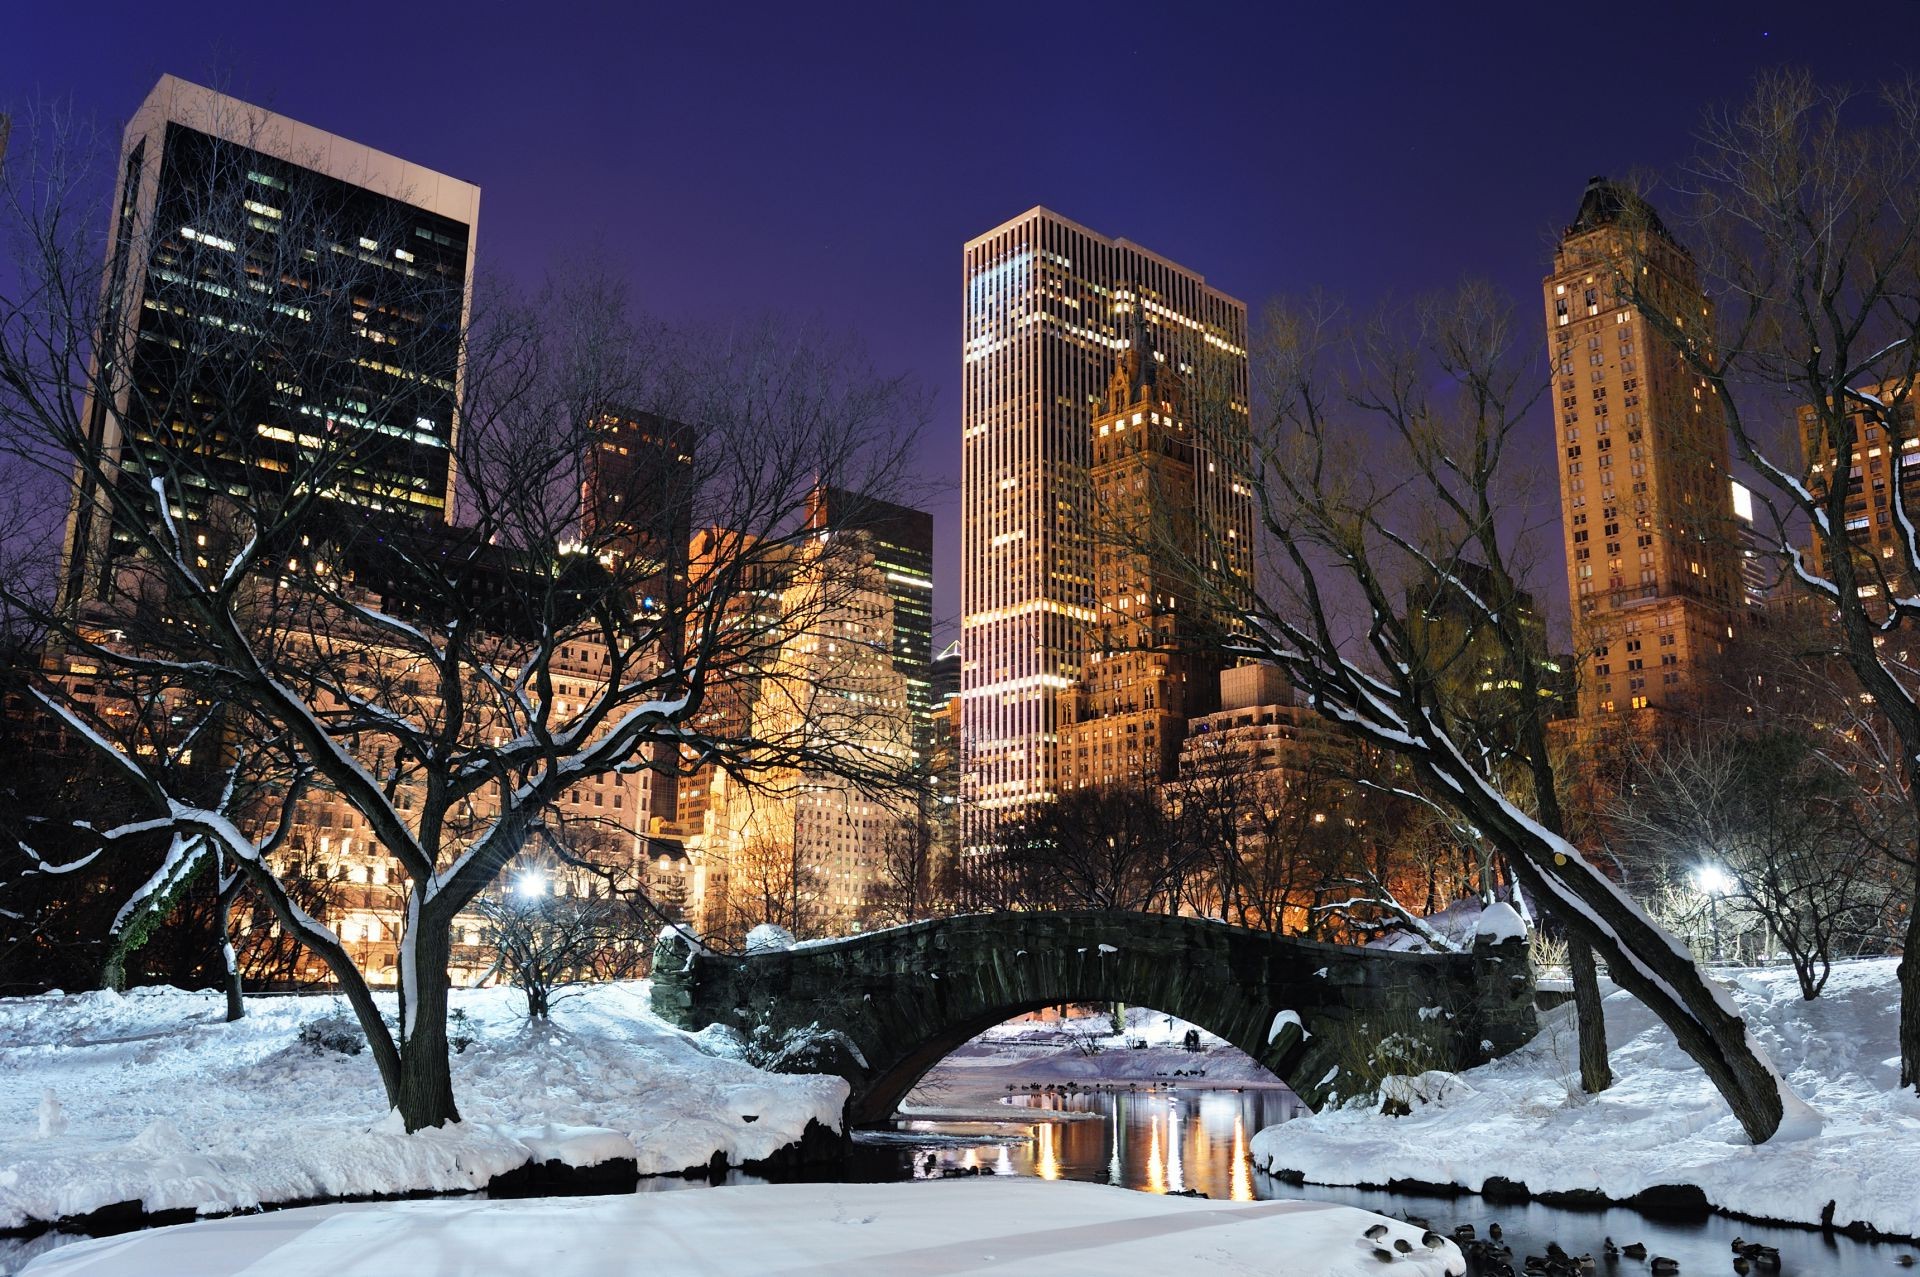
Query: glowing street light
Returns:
{"type": "Point", "coordinates": [530, 884]}
{"type": "Point", "coordinates": [1714, 882]}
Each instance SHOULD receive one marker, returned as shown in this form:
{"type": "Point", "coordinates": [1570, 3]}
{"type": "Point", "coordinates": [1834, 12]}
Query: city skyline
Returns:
{"type": "Point", "coordinates": [1302, 198]}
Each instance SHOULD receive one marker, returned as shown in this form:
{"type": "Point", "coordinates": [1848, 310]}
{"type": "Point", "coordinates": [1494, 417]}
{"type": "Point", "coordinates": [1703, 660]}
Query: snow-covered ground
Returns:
{"type": "Point", "coordinates": [155, 1099]}
{"type": "Point", "coordinates": [846, 1230]}
{"type": "Point", "coordinates": [1086, 1050]}
{"type": "Point", "coordinates": [1524, 1117]}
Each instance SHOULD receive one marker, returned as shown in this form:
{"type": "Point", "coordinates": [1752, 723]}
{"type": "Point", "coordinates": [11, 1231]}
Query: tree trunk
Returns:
{"type": "Point", "coordinates": [228, 889]}
{"type": "Point", "coordinates": [236, 1002]}
{"type": "Point", "coordinates": [1595, 1073]}
{"type": "Point", "coordinates": [1910, 997]}
{"type": "Point", "coordinates": [423, 1091]}
{"type": "Point", "coordinates": [1676, 990]}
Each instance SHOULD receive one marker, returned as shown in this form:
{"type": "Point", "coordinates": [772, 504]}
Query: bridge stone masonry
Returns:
{"type": "Point", "coordinates": [885, 1007]}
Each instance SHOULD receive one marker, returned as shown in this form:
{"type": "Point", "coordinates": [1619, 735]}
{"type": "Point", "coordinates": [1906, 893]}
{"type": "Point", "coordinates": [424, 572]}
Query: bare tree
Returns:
{"type": "Point", "coordinates": [1351, 536]}
{"type": "Point", "coordinates": [1762, 830]}
{"type": "Point", "coordinates": [448, 684]}
{"type": "Point", "coordinates": [1113, 847]}
{"type": "Point", "coordinates": [1807, 228]}
{"type": "Point", "coordinates": [911, 885]}
{"type": "Point", "coordinates": [550, 943]}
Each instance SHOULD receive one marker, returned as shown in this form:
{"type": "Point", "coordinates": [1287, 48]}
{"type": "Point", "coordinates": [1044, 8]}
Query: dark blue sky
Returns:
{"type": "Point", "coordinates": [831, 160]}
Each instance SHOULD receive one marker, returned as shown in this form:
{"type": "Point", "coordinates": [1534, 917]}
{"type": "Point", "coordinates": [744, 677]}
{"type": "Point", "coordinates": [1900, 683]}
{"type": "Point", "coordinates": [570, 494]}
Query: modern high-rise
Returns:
{"type": "Point", "coordinates": [636, 510]}
{"type": "Point", "coordinates": [901, 541]}
{"type": "Point", "coordinates": [1155, 649]}
{"type": "Point", "coordinates": [338, 278]}
{"type": "Point", "coordinates": [637, 492]}
{"type": "Point", "coordinates": [1652, 563]}
{"type": "Point", "coordinates": [1048, 305]}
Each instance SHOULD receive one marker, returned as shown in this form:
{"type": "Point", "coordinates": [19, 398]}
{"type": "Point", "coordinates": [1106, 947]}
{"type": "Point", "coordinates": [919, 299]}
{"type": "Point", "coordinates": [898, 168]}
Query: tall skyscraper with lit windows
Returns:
{"type": "Point", "coordinates": [1048, 307]}
{"type": "Point", "coordinates": [355, 260]}
{"type": "Point", "coordinates": [1653, 566]}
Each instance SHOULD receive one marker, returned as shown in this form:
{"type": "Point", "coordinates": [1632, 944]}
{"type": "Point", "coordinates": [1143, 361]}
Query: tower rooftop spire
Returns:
{"type": "Point", "coordinates": [1143, 370]}
{"type": "Point", "coordinates": [1606, 202]}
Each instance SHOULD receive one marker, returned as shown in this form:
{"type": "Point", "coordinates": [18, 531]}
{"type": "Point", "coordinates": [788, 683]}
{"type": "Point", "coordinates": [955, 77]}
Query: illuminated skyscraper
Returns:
{"type": "Point", "coordinates": [354, 263]}
{"type": "Point", "coordinates": [901, 540]}
{"type": "Point", "coordinates": [1049, 305]}
{"type": "Point", "coordinates": [1652, 565]}
{"type": "Point", "coordinates": [1155, 649]}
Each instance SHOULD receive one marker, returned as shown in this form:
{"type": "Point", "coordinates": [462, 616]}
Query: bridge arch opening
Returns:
{"type": "Point", "coordinates": [1087, 1046]}
{"type": "Point", "coordinates": [1043, 1043]}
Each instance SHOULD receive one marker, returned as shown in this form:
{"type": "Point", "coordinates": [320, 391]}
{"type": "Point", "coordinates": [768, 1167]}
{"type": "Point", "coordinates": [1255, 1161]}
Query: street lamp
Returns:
{"type": "Point", "coordinates": [530, 884]}
{"type": "Point", "coordinates": [1714, 882]}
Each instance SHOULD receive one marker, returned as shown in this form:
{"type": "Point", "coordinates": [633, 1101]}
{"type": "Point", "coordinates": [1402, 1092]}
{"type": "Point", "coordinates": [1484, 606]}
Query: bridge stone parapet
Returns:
{"type": "Point", "coordinates": [887, 1006]}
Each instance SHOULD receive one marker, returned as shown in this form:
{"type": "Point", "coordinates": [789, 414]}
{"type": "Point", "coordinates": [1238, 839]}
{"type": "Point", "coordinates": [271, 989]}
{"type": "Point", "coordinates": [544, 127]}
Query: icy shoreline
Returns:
{"type": "Point", "coordinates": [160, 1106]}
{"type": "Point", "coordinates": [1520, 1127]}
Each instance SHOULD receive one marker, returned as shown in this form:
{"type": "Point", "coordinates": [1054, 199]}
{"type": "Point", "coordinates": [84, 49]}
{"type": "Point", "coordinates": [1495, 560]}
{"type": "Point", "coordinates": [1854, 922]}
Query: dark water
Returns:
{"type": "Point", "coordinates": [1167, 1140]}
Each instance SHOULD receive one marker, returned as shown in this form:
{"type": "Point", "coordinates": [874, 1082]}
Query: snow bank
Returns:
{"type": "Point", "coordinates": [1062, 1229]}
{"type": "Point", "coordinates": [769, 937]}
{"type": "Point", "coordinates": [166, 1104]}
{"type": "Point", "coordinates": [1500, 921]}
{"type": "Point", "coordinates": [1524, 1117]}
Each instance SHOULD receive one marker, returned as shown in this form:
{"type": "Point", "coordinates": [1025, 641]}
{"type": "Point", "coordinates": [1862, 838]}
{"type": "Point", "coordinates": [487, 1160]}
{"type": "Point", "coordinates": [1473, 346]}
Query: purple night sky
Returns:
{"type": "Point", "coordinates": [830, 161]}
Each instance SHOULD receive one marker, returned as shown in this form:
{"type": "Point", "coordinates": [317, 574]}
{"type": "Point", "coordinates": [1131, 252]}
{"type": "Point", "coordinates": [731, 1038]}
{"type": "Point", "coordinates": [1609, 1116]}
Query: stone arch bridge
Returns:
{"type": "Point", "coordinates": [903, 998]}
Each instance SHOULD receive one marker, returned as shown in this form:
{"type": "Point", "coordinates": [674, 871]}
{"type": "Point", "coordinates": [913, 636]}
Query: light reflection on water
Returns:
{"type": "Point", "coordinates": [1161, 1140]}
{"type": "Point", "coordinates": [1164, 1140]}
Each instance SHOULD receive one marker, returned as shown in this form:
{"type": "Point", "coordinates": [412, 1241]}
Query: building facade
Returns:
{"type": "Point", "coordinates": [1872, 472]}
{"type": "Point", "coordinates": [804, 847]}
{"type": "Point", "coordinates": [1154, 649]}
{"type": "Point", "coordinates": [350, 267]}
{"type": "Point", "coordinates": [1046, 302]}
{"type": "Point", "coordinates": [901, 541]}
{"type": "Point", "coordinates": [1652, 563]}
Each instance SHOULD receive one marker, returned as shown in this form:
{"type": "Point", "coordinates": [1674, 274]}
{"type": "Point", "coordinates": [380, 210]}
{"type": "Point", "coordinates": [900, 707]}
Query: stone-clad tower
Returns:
{"type": "Point", "coordinates": [1653, 569]}
{"type": "Point", "coordinates": [1153, 655]}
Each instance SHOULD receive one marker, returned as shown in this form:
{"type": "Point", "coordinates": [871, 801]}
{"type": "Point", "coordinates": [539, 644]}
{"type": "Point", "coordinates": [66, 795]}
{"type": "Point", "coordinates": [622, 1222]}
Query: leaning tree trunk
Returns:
{"type": "Point", "coordinates": [1596, 1075]}
{"type": "Point", "coordinates": [1674, 988]}
{"type": "Point", "coordinates": [423, 1089]}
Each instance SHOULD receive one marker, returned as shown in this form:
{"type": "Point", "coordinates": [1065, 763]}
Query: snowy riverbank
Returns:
{"type": "Point", "coordinates": [161, 1102]}
{"type": "Point", "coordinates": [1523, 1119]}
{"type": "Point", "coordinates": [847, 1230]}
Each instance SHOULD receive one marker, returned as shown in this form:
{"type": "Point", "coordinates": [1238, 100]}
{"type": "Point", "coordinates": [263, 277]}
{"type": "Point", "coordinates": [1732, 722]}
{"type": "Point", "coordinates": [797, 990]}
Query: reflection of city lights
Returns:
{"type": "Point", "coordinates": [1176, 1172]}
{"type": "Point", "coordinates": [1113, 1142]}
{"type": "Point", "coordinates": [1156, 1170]}
{"type": "Point", "coordinates": [1240, 1182]}
{"type": "Point", "coordinates": [1048, 1166]}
